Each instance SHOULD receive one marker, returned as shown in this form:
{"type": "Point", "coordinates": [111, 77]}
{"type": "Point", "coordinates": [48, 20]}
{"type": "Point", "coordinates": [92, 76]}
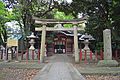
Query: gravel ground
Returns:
{"type": "Point", "coordinates": [17, 74]}
{"type": "Point", "coordinates": [23, 71]}
{"type": "Point", "coordinates": [102, 77]}
{"type": "Point", "coordinates": [91, 72]}
{"type": "Point", "coordinates": [19, 70]}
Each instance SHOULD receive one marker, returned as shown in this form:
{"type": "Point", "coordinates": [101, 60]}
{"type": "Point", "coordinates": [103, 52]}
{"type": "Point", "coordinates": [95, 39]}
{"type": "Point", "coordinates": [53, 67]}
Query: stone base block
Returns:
{"type": "Point", "coordinates": [107, 63]}
{"type": "Point", "coordinates": [87, 54]}
{"type": "Point", "coordinates": [6, 61]}
{"type": "Point", "coordinates": [73, 55]}
{"type": "Point", "coordinates": [16, 61]}
{"type": "Point", "coordinates": [88, 57]}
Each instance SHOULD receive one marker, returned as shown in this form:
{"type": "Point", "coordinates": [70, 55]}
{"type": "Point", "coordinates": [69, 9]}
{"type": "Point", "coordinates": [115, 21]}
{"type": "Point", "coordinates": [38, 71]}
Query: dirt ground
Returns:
{"type": "Point", "coordinates": [102, 77]}
{"type": "Point", "coordinates": [17, 74]}
{"type": "Point", "coordinates": [23, 71]}
{"type": "Point", "coordinates": [91, 71]}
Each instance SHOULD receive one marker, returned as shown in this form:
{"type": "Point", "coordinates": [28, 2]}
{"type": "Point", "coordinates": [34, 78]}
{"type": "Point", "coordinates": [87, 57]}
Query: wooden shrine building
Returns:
{"type": "Point", "coordinates": [62, 42]}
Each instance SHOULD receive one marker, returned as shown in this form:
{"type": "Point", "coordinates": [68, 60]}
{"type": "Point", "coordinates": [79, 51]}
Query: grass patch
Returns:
{"type": "Point", "coordinates": [2, 75]}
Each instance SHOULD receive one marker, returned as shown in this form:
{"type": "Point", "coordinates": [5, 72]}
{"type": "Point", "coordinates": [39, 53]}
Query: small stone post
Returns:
{"type": "Point", "coordinates": [16, 52]}
{"type": "Point", "coordinates": [43, 39]}
{"type": "Point", "coordinates": [4, 54]}
{"type": "Point", "coordinates": [76, 45]}
{"type": "Point", "coordinates": [107, 50]}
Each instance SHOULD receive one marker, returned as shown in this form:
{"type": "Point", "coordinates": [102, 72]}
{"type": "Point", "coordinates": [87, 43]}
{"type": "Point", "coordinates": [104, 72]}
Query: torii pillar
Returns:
{"type": "Point", "coordinates": [76, 53]}
{"type": "Point", "coordinates": [43, 40]}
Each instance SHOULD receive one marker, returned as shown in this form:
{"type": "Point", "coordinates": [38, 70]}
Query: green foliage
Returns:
{"type": "Point", "coordinates": [62, 16]}
{"type": "Point", "coordinates": [99, 45]}
{"type": "Point", "coordinates": [2, 9]}
{"type": "Point", "coordinates": [115, 15]}
{"type": "Point", "coordinates": [15, 14]}
{"type": "Point", "coordinates": [102, 14]}
{"type": "Point", "coordinates": [6, 16]}
{"type": "Point", "coordinates": [3, 19]}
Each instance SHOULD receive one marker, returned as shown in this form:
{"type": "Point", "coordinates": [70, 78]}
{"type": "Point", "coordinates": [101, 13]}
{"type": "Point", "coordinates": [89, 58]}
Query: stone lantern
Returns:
{"type": "Point", "coordinates": [86, 40]}
{"type": "Point", "coordinates": [32, 38]}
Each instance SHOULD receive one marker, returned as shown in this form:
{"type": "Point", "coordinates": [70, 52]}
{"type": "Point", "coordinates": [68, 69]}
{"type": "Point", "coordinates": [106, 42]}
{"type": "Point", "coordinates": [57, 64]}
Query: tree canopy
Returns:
{"type": "Point", "coordinates": [102, 13]}
{"type": "Point", "coordinates": [3, 20]}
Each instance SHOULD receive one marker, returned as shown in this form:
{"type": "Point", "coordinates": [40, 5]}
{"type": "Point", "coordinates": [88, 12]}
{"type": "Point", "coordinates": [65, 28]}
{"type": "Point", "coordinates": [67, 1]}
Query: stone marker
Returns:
{"type": "Point", "coordinates": [107, 50]}
{"type": "Point", "coordinates": [107, 44]}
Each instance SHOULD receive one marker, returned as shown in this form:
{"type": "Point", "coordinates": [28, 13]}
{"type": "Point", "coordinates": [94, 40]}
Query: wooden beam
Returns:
{"type": "Point", "coordinates": [58, 22]}
{"type": "Point", "coordinates": [54, 21]}
{"type": "Point", "coordinates": [58, 29]}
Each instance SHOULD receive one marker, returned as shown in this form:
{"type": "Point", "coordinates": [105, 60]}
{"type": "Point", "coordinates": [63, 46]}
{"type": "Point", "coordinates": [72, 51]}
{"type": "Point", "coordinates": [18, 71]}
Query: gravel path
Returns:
{"type": "Point", "coordinates": [59, 68]}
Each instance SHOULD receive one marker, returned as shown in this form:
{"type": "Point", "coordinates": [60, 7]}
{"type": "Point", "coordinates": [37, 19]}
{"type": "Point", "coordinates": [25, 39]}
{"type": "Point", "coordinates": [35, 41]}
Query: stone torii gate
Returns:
{"type": "Point", "coordinates": [44, 22]}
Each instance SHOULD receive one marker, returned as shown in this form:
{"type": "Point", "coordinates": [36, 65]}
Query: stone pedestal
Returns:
{"type": "Point", "coordinates": [10, 54]}
{"type": "Point", "coordinates": [1, 55]}
{"type": "Point", "coordinates": [4, 56]}
{"type": "Point", "coordinates": [9, 57]}
{"type": "Point", "coordinates": [87, 49]}
{"type": "Point", "coordinates": [30, 55]}
{"type": "Point", "coordinates": [106, 63]}
{"type": "Point", "coordinates": [107, 50]}
{"type": "Point", "coordinates": [87, 54]}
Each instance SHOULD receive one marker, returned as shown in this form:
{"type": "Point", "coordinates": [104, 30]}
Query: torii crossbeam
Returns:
{"type": "Point", "coordinates": [53, 21]}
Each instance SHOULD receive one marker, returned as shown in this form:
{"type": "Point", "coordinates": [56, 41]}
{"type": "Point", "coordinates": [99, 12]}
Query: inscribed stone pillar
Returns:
{"type": "Point", "coordinates": [107, 44]}
{"type": "Point", "coordinates": [76, 45]}
{"type": "Point", "coordinates": [107, 50]}
{"type": "Point", "coordinates": [43, 37]}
